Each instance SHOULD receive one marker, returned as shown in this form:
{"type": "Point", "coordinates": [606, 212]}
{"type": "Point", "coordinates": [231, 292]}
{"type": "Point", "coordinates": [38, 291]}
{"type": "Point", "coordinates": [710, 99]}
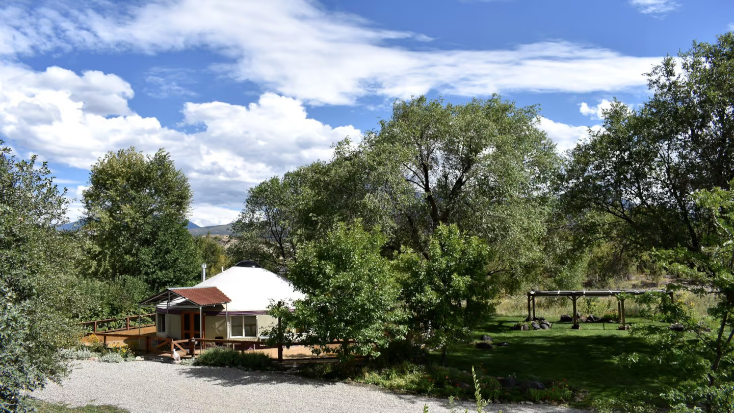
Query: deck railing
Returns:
{"type": "Point", "coordinates": [117, 324]}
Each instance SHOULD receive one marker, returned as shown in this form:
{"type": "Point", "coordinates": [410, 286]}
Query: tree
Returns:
{"type": "Point", "coordinates": [643, 165]}
{"type": "Point", "coordinates": [212, 253]}
{"type": "Point", "coordinates": [135, 213]}
{"type": "Point", "coordinates": [34, 278]}
{"type": "Point", "coordinates": [351, 292]}
{"type": "Point", "coordinates": [450, 293]}
{"type": "Point", "coordinates": [703, 353]}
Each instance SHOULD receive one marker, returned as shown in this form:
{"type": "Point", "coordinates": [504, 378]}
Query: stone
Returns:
{"type": "Point", "coordinates": [138, 358]}
{"type": "Point", "coordinates": [535, 325]}
{"type": "Point", "coordinates": [483, 345]}
{"type": "Point", "coordinates": [532, 385]}
{"type": "Point", "coordinates": [93, 359]}
{"type": "Point", "coordinates": [486, 338]}
{"type": "Point", "coordinates": [677, 327]}
{"type": "Point", "coordinates": [566, 318]}
{"type": "Point", "coordinates": [544, 326]}
{"type": "Point", "coordinates": [508, 381]}
{"type": "Point", "coordinates": [524, 327]}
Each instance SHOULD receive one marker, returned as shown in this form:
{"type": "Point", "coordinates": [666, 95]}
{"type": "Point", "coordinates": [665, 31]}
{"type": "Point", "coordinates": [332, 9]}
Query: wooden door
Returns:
{"type": "Point", "coordinates": [190, 325]}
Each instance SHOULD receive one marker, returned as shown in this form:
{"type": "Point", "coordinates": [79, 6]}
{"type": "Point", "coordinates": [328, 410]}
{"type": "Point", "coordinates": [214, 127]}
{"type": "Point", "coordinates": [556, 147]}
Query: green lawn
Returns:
{"type": "Point", "coordinates": [584, 357]}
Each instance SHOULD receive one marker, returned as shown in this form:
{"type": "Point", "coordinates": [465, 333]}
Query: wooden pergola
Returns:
{"type": "Point", "coordinates": [574, 295]}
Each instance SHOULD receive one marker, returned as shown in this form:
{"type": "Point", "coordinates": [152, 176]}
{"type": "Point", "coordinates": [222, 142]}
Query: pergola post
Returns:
{"type": "Point", "coordinates": [533, 307]}
{"type": "Point", "coordinates": [575, 325]}
{"type": "Point", "coordinates": [623, 326]}
{"type": "Point", "coordinates": [529, 318]}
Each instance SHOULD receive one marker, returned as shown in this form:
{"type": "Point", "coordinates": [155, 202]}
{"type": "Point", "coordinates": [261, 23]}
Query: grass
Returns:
{"type": "Point", "coordinates": [44, 407]}
{"type": "Point", "coordinates": [585, 357]}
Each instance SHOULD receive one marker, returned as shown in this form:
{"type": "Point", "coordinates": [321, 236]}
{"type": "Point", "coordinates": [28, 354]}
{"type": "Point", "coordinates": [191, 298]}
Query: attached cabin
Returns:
{"type": "Point", "coordinates": [231, 305]}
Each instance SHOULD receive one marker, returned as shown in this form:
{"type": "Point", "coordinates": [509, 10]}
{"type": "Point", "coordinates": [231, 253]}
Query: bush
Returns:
{"type": "Point", "coordinates": [221, 357]}
{"type": "Point", "coordinates": [76, 354]}
{"type": "Point", "coordinates": [111, 358]}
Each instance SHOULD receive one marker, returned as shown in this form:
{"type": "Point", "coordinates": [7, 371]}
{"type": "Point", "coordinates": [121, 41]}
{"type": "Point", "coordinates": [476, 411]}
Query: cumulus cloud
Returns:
{"type": "Point", "coordinates": [655, 7]}
{"type": "Point", "coordinates": [206, 215]}
{"type": "Point", "coordinates": [318, 56]}
{"type": "Point", "coordinates": [237, 147]}
{"type": "Point", "coordinates": [565, 136]}
{"type": "Point", "coordinates": [595, 112]}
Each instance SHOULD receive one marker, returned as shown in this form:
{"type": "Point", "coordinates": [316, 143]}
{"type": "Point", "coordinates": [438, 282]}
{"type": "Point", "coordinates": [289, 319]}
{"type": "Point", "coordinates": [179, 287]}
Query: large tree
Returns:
{"type": "Point", "coordinates": [135, 213]}
{"type": "Point", "coordinates": [643, 165]}
{"type": "Point", "coordinates": [35, 272]}
{"type": "Point", "coordinates": [484, 166]}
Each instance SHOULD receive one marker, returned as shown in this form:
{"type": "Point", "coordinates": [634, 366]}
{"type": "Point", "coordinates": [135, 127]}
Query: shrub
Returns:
{"type": "Point", "coordinates": [76, 354]}
{"type": "Point", "coordinates": [111, 358]}
{"type": "Point", "coordinates": [221, 357]}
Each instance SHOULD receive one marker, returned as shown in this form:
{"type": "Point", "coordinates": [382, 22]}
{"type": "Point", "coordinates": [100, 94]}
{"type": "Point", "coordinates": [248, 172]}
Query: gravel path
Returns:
{"type": "Point", "coordinates": [147, 386]}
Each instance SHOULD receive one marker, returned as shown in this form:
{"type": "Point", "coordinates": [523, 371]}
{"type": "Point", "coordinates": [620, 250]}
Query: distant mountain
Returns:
{"type": "Point", "coordinates": [192, 225]}
{"type": "Point", "coordinates": [213, 230]}
{"type": "Point", "coordinates": [71, 226]}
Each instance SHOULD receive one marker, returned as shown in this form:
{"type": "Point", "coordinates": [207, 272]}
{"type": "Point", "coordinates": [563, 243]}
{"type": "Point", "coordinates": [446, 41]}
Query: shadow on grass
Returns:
{"type": "Point", "coordinates": [585, 357]}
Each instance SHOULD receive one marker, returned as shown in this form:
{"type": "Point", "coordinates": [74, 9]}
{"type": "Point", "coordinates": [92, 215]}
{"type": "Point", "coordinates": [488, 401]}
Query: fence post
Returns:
{"type": "Point", "coordinates": [192, 347]}
{"type": "Point", "coordinates": [127, 323]}
{"type": "Point", "coordinates": [95, 327]}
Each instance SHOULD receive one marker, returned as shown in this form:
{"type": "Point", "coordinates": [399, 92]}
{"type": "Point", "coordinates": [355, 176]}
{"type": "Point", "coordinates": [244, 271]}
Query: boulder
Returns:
{"type": "Point", "coordinates": [483, 345]}
{"type": "Point", "coordinates": [532, 385]}
{"type": "Point", "coordinates": [566, 318]}
{"type": "Point", "coordinates": [524, 327]}
{"type": "Point", "coordinates": [535, 325]}
{"type": "Point", "coordinates": [486, 338]}
{"type": "Point", "coordinates": [544, 326]}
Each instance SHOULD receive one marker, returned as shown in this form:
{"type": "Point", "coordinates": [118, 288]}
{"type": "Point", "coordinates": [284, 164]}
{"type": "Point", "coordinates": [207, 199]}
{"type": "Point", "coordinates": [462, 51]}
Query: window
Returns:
{"type": "Point", "coordinates": [250, 326]}
{"type": "Point", "coordinates": [161, 323]}
{"type": "Point", "coordinates": [243, 326]}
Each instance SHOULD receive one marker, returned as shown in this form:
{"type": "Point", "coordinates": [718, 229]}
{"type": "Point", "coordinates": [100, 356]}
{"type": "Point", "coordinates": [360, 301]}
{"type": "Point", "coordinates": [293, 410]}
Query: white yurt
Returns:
{"type": "Point", "coordinates": [231, 305]}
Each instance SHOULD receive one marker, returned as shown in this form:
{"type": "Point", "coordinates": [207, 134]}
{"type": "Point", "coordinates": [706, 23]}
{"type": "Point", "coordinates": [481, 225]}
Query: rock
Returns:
{"type": "Point", "coordinates": [544, 326]}
{"type": "Point", "coordinates": [535, 325]}
{"type": "Point", "coordinates": [532, 385]}
{"type": "Point", "coordinates": [484, 346]}
{"type": "Point", "coordinates": [508, 381]}
{"type": "Point", "coordinates": [93, 359]}
{"type": "Point", "coordinates": [553, 403]}
{"type": "Point", "coordinates": [524, 327]}
{"type": "Point", "coordinates": [496, 401]}
{"type": "Point", "coordinates": [138, 358]}
{"type": "Point", "coordinates": [176, 361]}
{"type": "Point", "coordinates": [677, 327]}
{"type": "Point", "coordinates": [486, 338]}
{"type": "Point", "coordinates": [566, 317]}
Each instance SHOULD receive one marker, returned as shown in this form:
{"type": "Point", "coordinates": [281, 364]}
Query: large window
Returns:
{"type": "Point", "coordinates": [161, 323]}
{"type": "Point", "coordinates": [243, 326]}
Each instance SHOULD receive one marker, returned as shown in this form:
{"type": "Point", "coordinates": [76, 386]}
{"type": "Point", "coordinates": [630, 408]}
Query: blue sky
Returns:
{"type": "Point", "coordinates": [239, 91]}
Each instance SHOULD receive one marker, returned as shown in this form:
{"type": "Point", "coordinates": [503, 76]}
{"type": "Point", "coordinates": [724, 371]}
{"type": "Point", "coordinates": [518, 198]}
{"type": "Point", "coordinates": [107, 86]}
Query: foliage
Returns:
{"type": "Point", "coordinates": [351, 292]}
{"type": "Point", "coordinates": [135, 213]}
{"type": "Point", "coordinates": [703, 352]}
{"type": "Point", "coordinates": [76, 354]}
{"type": "Point", "coordinates": [448, 294]}
{"type": "Point", "coordinates": [221, 357]}
{"type": "Point", "coordinates": [35, 273]}
{"type": "Point", "coordinates": [43, 407]}
{"type": "Point", "coordinates": [212, 253]}
{"type": "Point", "coordinates": [111, 358]}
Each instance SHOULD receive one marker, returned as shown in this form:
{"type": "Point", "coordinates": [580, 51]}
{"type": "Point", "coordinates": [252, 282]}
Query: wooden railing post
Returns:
{"type": "Point", "coordinates": [95, 327]}
{"type": "Point", "coordinates": [192, 347]}
{"type": "Point", "coordinates": [127, 323]}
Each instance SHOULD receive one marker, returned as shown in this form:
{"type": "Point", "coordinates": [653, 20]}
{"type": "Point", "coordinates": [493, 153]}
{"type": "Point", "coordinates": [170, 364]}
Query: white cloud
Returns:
{"type": "Point", "coordinates": [238, 147]}
{"type": "Point", "coordinates": [297, 48]}
{"type": "Point", "coordinates": [595, 112]}
{"type": "Point", "coordinates": [167, 82]}
{"type": "Point", "coordinates": [206, 215]}
{"type": "Point", "coordinates": [658, 7]}
{"type": "Point", "coordinates": [565, 136]}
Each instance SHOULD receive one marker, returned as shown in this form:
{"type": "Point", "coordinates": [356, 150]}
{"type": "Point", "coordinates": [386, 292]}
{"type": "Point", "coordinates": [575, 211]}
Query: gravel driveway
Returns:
{"type": "Point", "coordinates": [147, 386]}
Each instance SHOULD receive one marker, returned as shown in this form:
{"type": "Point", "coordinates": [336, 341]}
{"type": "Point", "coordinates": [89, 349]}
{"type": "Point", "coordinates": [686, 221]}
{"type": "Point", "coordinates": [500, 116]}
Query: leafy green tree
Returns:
{"type": "Point", "coordinates": [643, 165]}
{"type": "Point", "coordinates": [351, 292]}
{"type": "Point", "coordinates": [135, 213]}
{"type": "Point", "coordinates": [34, 278]}
{"type": "Point", "coordinates": [212, 253]}
{"type": "Point", "coordinates": [450, 293]}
